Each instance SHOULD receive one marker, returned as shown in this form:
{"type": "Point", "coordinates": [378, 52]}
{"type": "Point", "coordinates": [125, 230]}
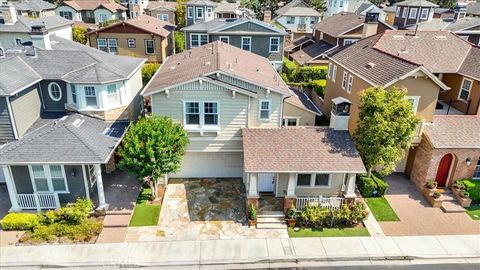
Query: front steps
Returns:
{"type": "Point", "coordinates": [452, 207]}
{"type": "Point", "coordinates": [271, 220]}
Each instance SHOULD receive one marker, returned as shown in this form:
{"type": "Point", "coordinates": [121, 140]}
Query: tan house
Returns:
{"type": "Point", "coordinates": [143, 36]}
{"type": "Point", "coordinates": [162, 10]}
{"type": "Point", "coordinates": [418, 64]}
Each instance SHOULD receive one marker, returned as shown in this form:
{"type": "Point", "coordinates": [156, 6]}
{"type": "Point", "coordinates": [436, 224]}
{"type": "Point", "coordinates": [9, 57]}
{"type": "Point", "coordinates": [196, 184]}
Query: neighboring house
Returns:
{"type": "Point", "coordinates": [249, 34]}
{"type": "Point", "coordinates": [61, 121]}
{"type": "Point", "coordinates": [34, 8]}
{"type": "Point", "coordinates": [412, 12]}
{"type": "Point", "coordinates": [137, 7]}
{"type": "Point", "coordinates": [297, 18]}
{"type": "Point", "coordinates": [334, 32]}
{"type": "Point", "coordinates": [161, 10]}
{"type": "Point", "coordinates": [431, 65]}
{"type": "Point", "coordinates": [143, 36]}
{"type": "Point", "coordinates": [353, 6]}
{"type": "Point", "coordinates": [473, 9]}
{"type": "Point", "coordinates": [390, 14]}
{"type": "Point", "coordinates": [225, 9]}
{"type": "Point", "coordinates": [16, 29]}
{"type": "Point", "coordinates": [231, 102]}
{"type": "Point", "coordinates": [91, 12]}
{"type": "Point", "coordinates": [197, 11]}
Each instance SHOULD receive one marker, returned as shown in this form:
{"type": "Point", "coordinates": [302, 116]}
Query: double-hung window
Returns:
{"type": "Point", "coordinates": [264, 112]}
{"type": "Point", "coordinates": [465, 89]}
{"type": "Point", "coordinates": [210, 110]}
{"type": "Point", "coordinates": [113, 94]}
{"type": "Point", "coordinates": [49, 178]}
{"type": "Point", "coordinates": [350, 84]}
{"type": "Point", "coordinates": [192, 113]}
{"type": "Point", "coordinates": [330, 70]}
{"type": "Point", "coordinates": [197, 40]}
{"type": "Point", "coordinates": [397, 13]}
{"type": "Point", "coordinates": [149, 46]}
{"type": "Point", "coordinates": [290, 20]}
{"type": "Point", "coordinates": [404, 13]}
{"type": "Point", "coordinates": [190, 12]}
{"type": "Point", "coordinates": [102, 44]}
{"type": "Point", "coordinates": [112, 46]}
{"type": "Point", "coordinates": [274, 44]}
{"type": "Point", "coordinates": [66, 14]}
{"type": "Point", "coordinates": [247, 43]}
{"type": "Point", "coordinates": [319, 180]}
{"type": "Point", "coordinates": [414, 100]}
{"type": "Point", "coordinates": [209, 13]}
{"type": "Point", "coordinates": [476, 173]}
{"type": "Point", "coordinates": [334, 74]}
{"type": "Point", "coordinates": [199, 12]}
{"type": "Point", "coordinates": [162, 17]}
{"type": "Point", "coordinates": [90, 96]}
{"type": "Point", "coordinates": [344, 80]}
{"type": "Point", "coordinates": [413, 13]}
{"type": "Point", "coordinates": [201, 113]}
{"type": "Point", "coordinates": [225, 39]}
{"type": "Point", "coordinates": [424, 14]}
{"type": "Point", "coordinates": [74, 93]}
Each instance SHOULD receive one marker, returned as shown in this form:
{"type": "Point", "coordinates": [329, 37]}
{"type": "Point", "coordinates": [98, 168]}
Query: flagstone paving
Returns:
{"type": "Point", "coordinates": [200, 209]}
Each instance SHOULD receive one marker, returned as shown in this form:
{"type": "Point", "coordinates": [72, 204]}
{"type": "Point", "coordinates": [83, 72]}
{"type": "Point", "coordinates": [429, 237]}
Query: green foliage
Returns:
{"type": "Point", "coordinates": [145, 215]}
{"type": "Point", "coordinates": [318, 86]}
{"type": "Point", "coordinates": [311, 73]}
{"type": "Point", "coordinates": [292, 212]}
{"type": "Point", "coordinates": [108, 22]}
{"type": "Point", "coordinates": [153, 147]}
{"type": "Point", "coordinates": [180, 16]}
{"type": "Point", "coordinates": [252, 212]}
{"type": "Point", "coordinates": [179, 42]}
{"type": "Point", "coordinates": [329, 232]}
{"type": "Point", "coordinates": [342, 215]}
{"type": "Point", "coordinates": [358, 212]}
{"type": "Point", "coordinates": [381, 209]}
{"type": "Point", "coordinates": [71, 214]}
{"type": "Point", "coordinates": [385, 128]}
{"type": "Point", "coordinates": [289, 70]}
{"type": "Point", "coordinates": [19, 221]}
{"type": "Point", "coordinates": [474, 212]}
{"type": "Point", "coordinates": [148, 70]}
{"type": "Point", "coordinates": [366, 185]}
{"type": "Point", "coordinates": [78, 34]}
{"type": "Point", "coordinates": [382, 185]}
{"type": "Point", "coordinates": [472, 187]}
{"type": "Point", "coordinates": [318, 5]}
{"type": "Point", "coordinates": [82, 232]}
{"type": "Point", "coordinates": [445, 3]}
{"type": "Point", "coordinates": [315, 216]}
{"type": "Point", "coordinates": [431, 184]}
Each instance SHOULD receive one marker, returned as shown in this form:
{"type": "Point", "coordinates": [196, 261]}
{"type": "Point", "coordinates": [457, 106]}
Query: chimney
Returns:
{"type": "Point", "coordinates": [340, 114]}
{"type": "Point", "coordinates": [40, 37]}
{"type": "Point", "coordinates": [459, 11]}
{"type": "Point", "coordinates": [267, 16]}
{"type": "Point", "coordinates": [370, 25]}
{"type": "Point", "coordinates": [9, 13]}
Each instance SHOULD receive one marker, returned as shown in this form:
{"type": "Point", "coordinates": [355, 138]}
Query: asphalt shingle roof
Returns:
{"type": "Point", "coordinates": [454, 131]}
{"type": "Point", "coordinates": [298, 42]}
{"type": "Point", "coordinates": [300, 149]}
{"type": "Point", "coordinates": [416, 3]}
{"type": "Point", "coordinates": [94, 4]}
{"type": "Point", "coordinates": [309, 52]}
{"type": "Point", "coordinates": [201, 3]}
{"type": "Point", "coordinates": [62, 141]}
{"type": "Point", "coordinates": [145, 22]}
{"type": "Point", "coordinates": [340, 23]}
{"type": "Point", "coordinates": [33, 5]}
{"type": "Point", "coordinates": [219, 24]}
{"type": "Point", "coordinates": [24, 24]}
{"type": "Point", "coordinates": [15, 68]}
{"type": "Point", "coordinates": [471, 65]}
{"type": "Point", "coordinates": [473, 9]}
{"type": "Point", "coordinates": [153, 5]}
{"type": "Point", "coordinates": [301, 100]}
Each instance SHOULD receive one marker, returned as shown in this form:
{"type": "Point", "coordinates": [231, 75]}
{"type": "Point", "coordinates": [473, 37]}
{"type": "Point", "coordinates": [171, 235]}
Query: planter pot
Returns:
{"type": "Point", "coordinates": [291, 222]}
{"type": "Point", "coordinates": [464, 202]}
{"type": "Point", "coordinates": [252, 223]}
{"type": "Point", "coordinates": [428, 192]}
{"type": "Point", "coordinates": [435, 203]}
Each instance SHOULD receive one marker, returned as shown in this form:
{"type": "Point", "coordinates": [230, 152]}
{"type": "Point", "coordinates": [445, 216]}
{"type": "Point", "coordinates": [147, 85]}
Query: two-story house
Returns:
{"type": "Point", "coordinates": [61, 121]}
{"type": "Point", "coordinates": [473, 9]}
{"type": "Point", "coordinates": [91, 12]}
{"type": "Point", "coordinates": [249, 34]}
{"type": "Point", "coordinates": [334, 32]}
{"type": "Point", "coordinates": [353, 6]}
{"type": "Point", "coordinates": [412, 12]}
{"type": "Point", "coordinates": [17, 29]}
{"type": "Point", "coordinates": [430, 65]}
{"type": "Point", "coordinates": [298, 18]}
{"type": "Point", "coordinates": [34, 8]}
{"type": "Point", "coordinates": [226, 9]}
{"type": "Point", "coordinates": [143, 36]}
{"type": "Point", "coordinates": [199, 11]}
{"type": "Point", "coordinates": [161, 10]}
{"type": "Point", "coordinates": [231, 103]}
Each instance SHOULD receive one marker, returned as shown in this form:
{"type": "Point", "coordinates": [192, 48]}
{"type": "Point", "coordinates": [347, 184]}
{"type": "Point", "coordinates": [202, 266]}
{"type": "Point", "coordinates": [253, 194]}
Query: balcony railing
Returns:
{"type": "Point", "coordinates": [332, 203]}
{"type": "Point", "coordinates": [301, 27]}
{"type": "Point", "coordinates": [38, 201]}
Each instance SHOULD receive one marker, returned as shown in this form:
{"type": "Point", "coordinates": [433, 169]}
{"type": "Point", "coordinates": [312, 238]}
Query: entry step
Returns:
{"type": "Point", "coordinates": [271, 225]}
{"type": "Point", "coordinates": [278, 214]}
{"type": "Point", "coordinates": [452, 207]}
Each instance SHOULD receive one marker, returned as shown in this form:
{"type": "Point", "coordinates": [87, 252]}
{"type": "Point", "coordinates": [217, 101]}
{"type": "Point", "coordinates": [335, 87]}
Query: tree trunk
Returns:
{"type": "Point", "coordinates": [369, 172]}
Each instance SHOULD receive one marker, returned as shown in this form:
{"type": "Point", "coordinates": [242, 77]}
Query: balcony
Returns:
{"type": "Point", "coordinates": [301, 28]}
{"type": "Point", "coordinates": [417, 138]}
{"type": "Point", "coordinates": [447, 107]}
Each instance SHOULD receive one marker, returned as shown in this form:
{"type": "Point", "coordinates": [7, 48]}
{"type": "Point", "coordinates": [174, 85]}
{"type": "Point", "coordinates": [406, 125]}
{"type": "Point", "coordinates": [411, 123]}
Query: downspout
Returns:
{"type": "Point", "coordinates": [281, 110]}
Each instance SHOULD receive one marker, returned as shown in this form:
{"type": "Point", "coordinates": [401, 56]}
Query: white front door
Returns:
{"type": "Point", "coordinates": [266, 182]}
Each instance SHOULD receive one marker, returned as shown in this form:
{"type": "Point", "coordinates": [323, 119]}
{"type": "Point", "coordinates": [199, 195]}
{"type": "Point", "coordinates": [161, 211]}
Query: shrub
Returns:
{"type": "Point", "coordinates": [472, 187]}
{"type": "Point", "coordinates": [307, 73]}
{"type": "Point", "coordinates": [78, 34]}
{"type": "Point", "coordinates": [382, 185]}
{"type": "Point", "coordinates": [148, 70]}
{"type": "Point", "coordinates": [79, 232]}
{"type": "Point", "coordinates": [359, 212]}
{"type": "Point", "coordinates": [252, 212]}
{"type": "Point", "coordinates": [366, 185]}
{"type": "Point", "coordinates": [318, 86]}
{"type": "Point", "coordinates": [179, 42]}
{"type": "Point", "coordinates": [436, 195]}
{"type": "Point", "coordinates": [342, 215]}
{"type": "Point", "coordinates": [431, 184]}
{"type": "Point", "coordinates": [314, 216]}
{"type": "Point", "coordinates": [19, 221]}
{"type": "Point", "coordinates": [289, 70]}
{"type": "Point", "coordinates": [292, 212]}
{"type": "Point", "coordinates": [75, 213]}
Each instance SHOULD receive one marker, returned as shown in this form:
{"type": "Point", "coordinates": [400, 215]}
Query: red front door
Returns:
{"type": "Point", "coordinates": [443, 170]}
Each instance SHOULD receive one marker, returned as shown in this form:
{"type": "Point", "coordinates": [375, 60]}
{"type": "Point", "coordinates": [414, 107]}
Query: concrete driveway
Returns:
{"type": "Point", "coordinates": [416, 215]}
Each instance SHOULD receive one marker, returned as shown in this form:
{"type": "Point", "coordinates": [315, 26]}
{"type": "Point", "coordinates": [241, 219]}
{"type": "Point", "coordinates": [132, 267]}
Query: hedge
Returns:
{"type": "Point", "coordinates": [293, 74]}
{"type": "Point", "coordinates": [472, 187]}
{"type": "Point", "coordinates": [382, 185]}
{"type": "Point", "coordinates": [366, 185]}
{"type": "Point", "coordinates": [289, 70]}
{"type": "Point", "coordinates": [19, 221]}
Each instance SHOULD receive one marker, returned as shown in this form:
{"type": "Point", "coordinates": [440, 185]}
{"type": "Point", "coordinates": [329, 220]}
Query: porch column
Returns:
{"type": "Point", "coordinates": [290, 198]}
{"type": "Point", "coordinates": [291, 185]}
{"type": "Point", "coordinates": [100, 192]}
{"type": "Point", "coordinates": [252, 193]}
{"type": "Point", "coordinates": [12, 192]}
{"type": "Point", "coordinates": [350, 187]}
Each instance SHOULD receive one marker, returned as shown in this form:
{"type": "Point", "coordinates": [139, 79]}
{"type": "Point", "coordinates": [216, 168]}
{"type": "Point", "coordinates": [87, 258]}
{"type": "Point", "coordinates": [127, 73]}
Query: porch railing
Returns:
{"type": "Point", "coordinates": [332, 203]}
{"type": "Point", "coordinates": [38, 201]}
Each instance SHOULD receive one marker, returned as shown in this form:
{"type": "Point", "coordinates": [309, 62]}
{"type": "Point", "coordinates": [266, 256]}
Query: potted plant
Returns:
{"type": "Point", "coordinates": [464, 194]}
{"type": "Point", "coordinates": [252, 215]}
{"type": "Point", "coordinates": [463, 198]}
{"type": "Point", "coordinates": [436, 194]}
{"type": "Point", "coordinates": [431, 184]}
{"type": "Point", "coordinates": [291, 216]}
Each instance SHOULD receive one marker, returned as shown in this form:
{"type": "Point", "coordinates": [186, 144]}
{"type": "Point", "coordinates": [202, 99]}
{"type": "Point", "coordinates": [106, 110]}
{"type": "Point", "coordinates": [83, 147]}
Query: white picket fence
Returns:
{"type": "Point", "coordinates": [38, 201]}
{"type": "Point", "coordinates": [331, 203]}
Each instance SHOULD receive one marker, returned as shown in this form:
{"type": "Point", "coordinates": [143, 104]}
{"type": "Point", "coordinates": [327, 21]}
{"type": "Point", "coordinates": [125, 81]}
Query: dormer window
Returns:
{"type": "Point", "coordinates": [54, 91]}
{"type": "Point", "coordinates": [199, 12]}
{"type": "Point", "coordinates": [189, 12]}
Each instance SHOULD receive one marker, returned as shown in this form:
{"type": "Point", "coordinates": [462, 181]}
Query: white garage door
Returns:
{"type": "Point", "coordinates": [218, 164]}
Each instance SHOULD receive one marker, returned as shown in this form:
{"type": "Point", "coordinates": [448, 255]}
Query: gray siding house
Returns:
{"type": "Point", "coordinates": [60, 123]}
{"type": "Point", "coordinates": [232, 103]}
{"type": "Point", "coordinates": [198, 11]}
{"type": "Point", "coordinates": [248, 34]}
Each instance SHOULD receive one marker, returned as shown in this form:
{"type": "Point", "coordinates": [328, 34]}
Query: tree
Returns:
{"type": "Point", "coordinates": [180, 19]}
{"type": "Point", "coordinates": [148, 70]}
{"type": "Point", "coordinates": [385, 128]}
{"type": "Point", "coordinates": [318, 5]}
{"type": "Point", "coordinates": [78, 34]}
{"type": "Point", "coordinates": [153, 147]}
{"type": "Point", "coordinates": [179, 42]}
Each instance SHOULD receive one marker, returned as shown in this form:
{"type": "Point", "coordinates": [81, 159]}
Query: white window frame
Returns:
{"type": "Point", "coordinates": [249, 43]}
{"type": "Point", "coordinates": [114, 40]}
{"type": "Point", "coordinates": [115, 95]}
{"type": "Point", "coordinates": [278, 45]}
{"type": "Point", "coordinates": [102, 18]}
{"type": "Point", "coordinates": [50, 85]}
{"type": "Point", "coordinates": [18, 41]}
{"type": "Point", "coordinates": [48, 176]}
{"type": "Point", "coordinates": [189, 12]}
{"type": "Point", "coordinates": [344, 80]}
{"type": "Point", "coordinates": [330, 70]}
{"type": "Point", "coordinates": [464, 89]}
{"type": "Point", "coordinates": [260, 109]}
{"type": "Point", "coordinates": [199, 39]}
{"type": "Point", "coordinates": [196, 12]}
{"type": "Point", "coordinates": [201, 116]}
{"type": "Point", "coordinates": [411, 14]}
{"type": "Point", "coordinates": [133, 44]}
{"type": "Point", "coordinates": [224, 37]}
{"type": "Point", "coordinates": [63, 13]}
{"type": "Point", "coordinates": [74, 94]}
{"type": "Point", "coordinates": [422, 13]}
{"type": "Point", "coordinates": [105, 46]}
{"type": "Point", "coordinates": [334, 74]}
{"type": "Point", "coordinates": [397, 12]}
{"type": "Point", "coordinates": [349, 40]}
{"type": "Point", "coordinates": [350, 83]}
{"type": "Point", "coordinates": [90, 96]}
{"type": "Point", "coordinates": [146, 47]}
{"type": "Point", "coordinates": [209, 13]}
{"type": "Point", "coordinates": [405, 12]}
{"type": "Point", "coordinates": [163, 17]}
{"type": "Point", "coordinates": [476, 170]}
{"type": "Point", "coordinates": [416, 101]}
{"type": "Point", "coordinates": [286, 118]}
{"type": "Point", "coordinates": [312, 181]}
{"type": "Point", "coordinates": [290, 20]}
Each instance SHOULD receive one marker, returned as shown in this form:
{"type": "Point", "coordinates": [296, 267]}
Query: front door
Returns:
{"type": "Point", "coordinates": [266, 182]}
{"type": "Point", "coordinates": [443, 170]}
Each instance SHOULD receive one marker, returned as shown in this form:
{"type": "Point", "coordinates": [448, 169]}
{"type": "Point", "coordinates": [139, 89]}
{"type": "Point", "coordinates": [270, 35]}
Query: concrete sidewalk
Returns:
{"type": "Point", "coordinates": [215, 252]}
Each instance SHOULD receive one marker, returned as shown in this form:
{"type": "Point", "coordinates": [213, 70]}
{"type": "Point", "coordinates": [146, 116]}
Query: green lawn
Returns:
{"type": "Point", "coordinates": [329, 232]}
{"type": "Point", "coordinates": [381, 209]}
{"type": "Point", "coordinates": [474, 212]}
{"type": "Point", "coordinates": [145, 214]}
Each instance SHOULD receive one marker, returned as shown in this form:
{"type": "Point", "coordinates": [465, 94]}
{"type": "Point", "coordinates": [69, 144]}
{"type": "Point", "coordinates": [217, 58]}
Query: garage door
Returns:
{"type": "Point", "coordinates": [219, 164]}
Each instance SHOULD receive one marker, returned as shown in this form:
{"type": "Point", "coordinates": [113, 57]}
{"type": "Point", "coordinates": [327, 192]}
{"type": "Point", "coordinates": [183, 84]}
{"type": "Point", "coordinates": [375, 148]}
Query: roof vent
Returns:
{"type": "Point", "coordinates": [440, 38]}
{"type": "Point", "coordinates": [396, 37]}
{"type": "Point", "coordinates": [108, 131]}
{"type": "Point", "coordinates": [172, 67]}
{"type": "Point", "coordinates": [78, 122]}
{"type": "Point", "coordinates": [207, 63]}
{"type": "Point", "coordinates": [370, 65]}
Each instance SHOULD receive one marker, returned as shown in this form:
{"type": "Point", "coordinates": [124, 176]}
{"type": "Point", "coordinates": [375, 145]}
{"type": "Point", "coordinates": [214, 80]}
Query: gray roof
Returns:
{"type": "Point", "coordinates": [80, 64]}
{"type": "Point", "coordinates": [310, 52]}
{"type": "Point", "coordinates": [225, 7]}
{"type": "Point", "coordinates": [24, 24]}
{"type": "Point", "coordinates": [471, 66]}
{"type": "Point", "coordinates": [390, 9]}
{"type": "Point", "coordinates": [417, 3]}
{"type": "Point", "coordinates": [473, 9]}
{"type": "Point", "coordinates": [33, 5]}
{"type": "Point", "coordinates": [59, 140]}
{"type": "Point", "coordinates": [201, 3]}
{"type": "Point", "coordinates": [301, 100]}
{"type": "Point", "coordinates": [292, 4]}
{"type": "Point", "coordinates": [452, 25]}
{"type": "Point", "coordinates": [218, 25]}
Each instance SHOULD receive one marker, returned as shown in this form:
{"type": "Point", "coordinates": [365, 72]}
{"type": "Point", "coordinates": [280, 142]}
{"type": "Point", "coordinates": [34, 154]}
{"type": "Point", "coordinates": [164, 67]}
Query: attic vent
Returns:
{"type": "Point", "coordinates": [77, 123]}
{"type": "Point", "coordinates": [395, 37]}
{"type": "Point", "coordinates": [108, 131]}
{"type": "Point", "coordinates": [440, 38]}
{"type": "Point", "coordinates": [370, 65]}
{"type": "Point", "coordinates": [172, 67]}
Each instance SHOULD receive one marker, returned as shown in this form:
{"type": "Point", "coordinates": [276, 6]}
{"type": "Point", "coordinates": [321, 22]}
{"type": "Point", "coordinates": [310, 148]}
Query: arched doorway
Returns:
{"type": "Point", "coordinates": [444, 169]}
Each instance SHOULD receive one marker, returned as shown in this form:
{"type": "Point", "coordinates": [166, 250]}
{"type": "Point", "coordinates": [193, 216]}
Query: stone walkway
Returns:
{"type": "Point", "coordinates": [416, 215]}
{"type": "Point", "coordinates": [201, 210]}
